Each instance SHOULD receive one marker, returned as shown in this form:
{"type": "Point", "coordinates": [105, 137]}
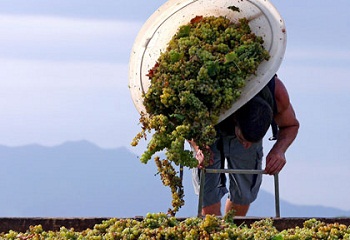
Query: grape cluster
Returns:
{"type": "Point", "coordinates": [315, 229]}
{"type": "Point", "coordinates": [200, 74]}
{"type": "Point", "coordinates": [169, 178]}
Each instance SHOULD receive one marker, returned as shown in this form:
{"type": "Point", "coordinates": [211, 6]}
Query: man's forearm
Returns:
{"type": "Point", "coordinates": [285, 138]}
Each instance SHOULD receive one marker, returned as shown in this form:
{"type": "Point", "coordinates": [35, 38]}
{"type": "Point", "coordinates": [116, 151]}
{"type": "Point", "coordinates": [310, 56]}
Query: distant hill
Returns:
{"type": "Point", "coordinates": [80, 179]}
{"type": "Point", "coordinates": [265, 206]}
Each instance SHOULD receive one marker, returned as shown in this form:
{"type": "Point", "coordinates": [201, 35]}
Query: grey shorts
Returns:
{"type": "Point", "coordinates": [243, 188]}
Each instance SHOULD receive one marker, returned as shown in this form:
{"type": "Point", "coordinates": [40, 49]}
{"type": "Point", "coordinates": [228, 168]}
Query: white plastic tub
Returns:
{"type": "Point", "coordinates": [265, 21]}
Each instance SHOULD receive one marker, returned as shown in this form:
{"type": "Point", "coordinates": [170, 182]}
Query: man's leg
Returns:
{"type": "Point", "coordinates": [212, 209]}
{"type": "Point", "coordinates": [241, 210]}
{"type": "Point", "coordinates": [214, 189]}
{"type": "Point", "coordinates": [243, 187]}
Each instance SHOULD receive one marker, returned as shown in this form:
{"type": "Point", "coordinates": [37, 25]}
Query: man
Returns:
{"type": "Point", "coordinates": [240, 142]}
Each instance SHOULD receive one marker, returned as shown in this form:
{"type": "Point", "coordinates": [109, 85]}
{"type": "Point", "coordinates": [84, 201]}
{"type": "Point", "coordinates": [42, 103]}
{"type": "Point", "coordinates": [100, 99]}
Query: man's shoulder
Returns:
{"type": "Point", "coordinates": [281, 95]}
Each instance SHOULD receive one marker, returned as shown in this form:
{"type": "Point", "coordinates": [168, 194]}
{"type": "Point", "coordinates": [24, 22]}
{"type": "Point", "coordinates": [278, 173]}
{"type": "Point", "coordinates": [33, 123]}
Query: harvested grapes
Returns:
{"type": "Point", "coordinates": [201, 74]}
{"type": "Point", "coordinates": [161, 226]}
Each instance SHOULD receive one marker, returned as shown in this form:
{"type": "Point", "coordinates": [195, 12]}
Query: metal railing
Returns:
{"type": "Point", "coordinates": [236, 171]}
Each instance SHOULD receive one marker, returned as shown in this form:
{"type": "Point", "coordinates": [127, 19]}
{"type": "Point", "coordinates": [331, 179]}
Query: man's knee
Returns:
{"type": "Point", "coordinates": [212, 209]}
{"type": "Point", "coordinates": [240, 210]}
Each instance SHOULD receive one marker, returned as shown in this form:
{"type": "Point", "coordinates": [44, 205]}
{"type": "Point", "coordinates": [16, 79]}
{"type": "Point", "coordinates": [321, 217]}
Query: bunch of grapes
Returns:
{"type": "Point", "coordinates": [199, 76]}
{"type": "Point", "coordinates": [315, 229]}
{"type": "Point", "coordinates": [169, 178]}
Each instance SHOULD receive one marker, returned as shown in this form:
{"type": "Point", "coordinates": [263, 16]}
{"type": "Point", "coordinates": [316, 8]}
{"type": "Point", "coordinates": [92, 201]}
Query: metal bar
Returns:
{"type": "Point", "coordinates": [201, 192]}
{"type": "Point", "coordinates": [277, 194]}
{"type": "Point", "coordinates": [236, 171]}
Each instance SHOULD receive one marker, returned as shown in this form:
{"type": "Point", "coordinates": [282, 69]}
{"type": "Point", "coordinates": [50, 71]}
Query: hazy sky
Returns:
{"type": "Point", "coordinates": [64, 77]}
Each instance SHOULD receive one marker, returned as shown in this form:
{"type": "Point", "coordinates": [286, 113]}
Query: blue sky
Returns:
{"type": "Point", "coordinates": [64, 77]}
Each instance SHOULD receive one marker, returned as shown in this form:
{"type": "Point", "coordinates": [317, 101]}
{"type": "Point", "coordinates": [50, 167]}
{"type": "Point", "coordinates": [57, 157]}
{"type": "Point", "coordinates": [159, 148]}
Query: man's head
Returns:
{"type": "Point", "coordinates": [253, 120]}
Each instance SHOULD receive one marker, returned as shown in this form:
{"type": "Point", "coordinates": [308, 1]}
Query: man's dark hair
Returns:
{"type": "Point", "coordinates": [254, 119]}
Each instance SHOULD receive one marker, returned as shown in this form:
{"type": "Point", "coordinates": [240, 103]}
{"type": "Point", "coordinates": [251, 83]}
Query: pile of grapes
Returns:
{"type": "Point", "coordinates": [200, 74]}
{"type": "Point", "coordinates": [161, 226]}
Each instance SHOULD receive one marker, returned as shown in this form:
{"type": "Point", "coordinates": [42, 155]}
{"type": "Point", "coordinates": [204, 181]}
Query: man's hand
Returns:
{"type": "Point", "coordinates": [275, 161]}
{"type": "Point", "coordinates": [201, 158]}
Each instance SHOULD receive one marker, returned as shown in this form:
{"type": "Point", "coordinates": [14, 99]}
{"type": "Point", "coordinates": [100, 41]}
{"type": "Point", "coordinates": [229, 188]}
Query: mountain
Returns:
{"type": "Point", "coordinates": [80, 179]}
{"type": "Point", "coordinates": [265, 206]}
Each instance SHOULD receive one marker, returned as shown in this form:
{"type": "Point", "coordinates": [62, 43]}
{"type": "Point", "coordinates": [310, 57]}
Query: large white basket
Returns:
{"type": "Point", "coordinates": [153, 38]}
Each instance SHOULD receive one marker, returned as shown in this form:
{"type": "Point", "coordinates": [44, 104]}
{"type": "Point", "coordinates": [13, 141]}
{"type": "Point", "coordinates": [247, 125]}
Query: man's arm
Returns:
{"type": "Point", "coordinates": [288, 130]}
